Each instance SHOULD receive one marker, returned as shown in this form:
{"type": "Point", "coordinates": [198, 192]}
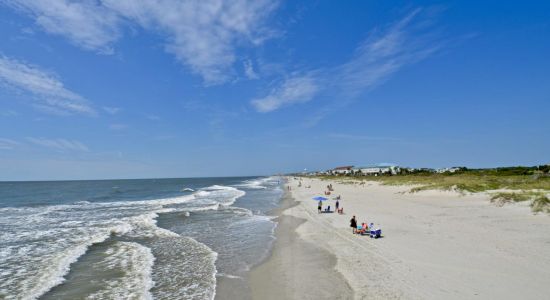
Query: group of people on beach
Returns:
{"type": "Point", "coordinates": [364, 228]}
{"type": "Point", "coordinates": [339, 209]}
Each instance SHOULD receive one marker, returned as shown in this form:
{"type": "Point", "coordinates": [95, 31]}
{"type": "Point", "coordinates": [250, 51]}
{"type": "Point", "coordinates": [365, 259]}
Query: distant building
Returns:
{"type": "Point", "coordinates": [344, 170]}
{"type": "Point", "coordinates": [376, 170]}
{"type": "Point", "coordinates": [448, 170]}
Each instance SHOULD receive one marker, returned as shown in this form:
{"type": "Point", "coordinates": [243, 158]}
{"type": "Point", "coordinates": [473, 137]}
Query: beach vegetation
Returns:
{"type": "Point", "coordinates": [541, 204]}
{"type": "Point", "coordinates": [539, 200]}
{"type": "Point", "coordinates": [506, 185]}
{"type": "Point", "coordinates": [502, 198]}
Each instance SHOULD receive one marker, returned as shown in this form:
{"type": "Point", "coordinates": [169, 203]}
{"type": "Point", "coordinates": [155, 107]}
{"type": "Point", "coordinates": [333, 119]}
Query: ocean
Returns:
{"type": "Point", "coordinates": [132, 239]}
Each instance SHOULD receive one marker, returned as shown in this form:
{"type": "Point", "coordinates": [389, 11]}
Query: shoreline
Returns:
{"type": "Point", "coordinates": [239, 287]}
{"type": "Point", "coordinates": [296, 268]}
{"type": "Point", "coordinates": [434, 245]}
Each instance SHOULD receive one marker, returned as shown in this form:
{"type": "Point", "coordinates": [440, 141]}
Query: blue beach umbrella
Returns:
{"type": "Point", "coordinates": [319, 198]}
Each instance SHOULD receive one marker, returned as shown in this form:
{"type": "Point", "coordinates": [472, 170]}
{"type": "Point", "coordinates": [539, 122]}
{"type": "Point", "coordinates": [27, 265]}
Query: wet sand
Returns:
{"type": "Point", "coordinates": [297, 269]}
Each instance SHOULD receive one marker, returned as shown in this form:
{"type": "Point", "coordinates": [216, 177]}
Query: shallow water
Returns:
{"type": "Point", "coordinates": [135, 239]}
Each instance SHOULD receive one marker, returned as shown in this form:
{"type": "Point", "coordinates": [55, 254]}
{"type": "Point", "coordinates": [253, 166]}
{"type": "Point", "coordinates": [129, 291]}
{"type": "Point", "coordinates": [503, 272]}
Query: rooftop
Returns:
{"type": "Point", "coordinates": [343, 168]}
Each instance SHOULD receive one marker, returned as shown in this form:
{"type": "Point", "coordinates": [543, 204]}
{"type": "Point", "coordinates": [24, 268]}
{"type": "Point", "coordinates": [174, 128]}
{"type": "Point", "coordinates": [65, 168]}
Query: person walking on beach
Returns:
{"type": "Point", "coordinates": [353, 224]}
{"type": "Point", "coordinates": [337, 204]}
{"type": "Point", "coordinates": [319, 206]}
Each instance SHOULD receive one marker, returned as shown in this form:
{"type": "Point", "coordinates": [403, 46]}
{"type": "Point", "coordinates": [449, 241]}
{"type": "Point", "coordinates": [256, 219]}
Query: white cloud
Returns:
{"type": "Point", "coordinates": [7, 144]}
{"type": "Point", "coordinates": [375, 60]}
{"type": "Point", "coordinates": [384, 53]}
{"type": "Point", "coordinates": [87, 24]}
{"type": "Point", "coordinates": [201, 34]}
{"type": "Point", "coordinates": [111, 110]}
{"type": "Point", "coordinates": [59, 144]}
{"type": "Point", "coordinates": [297, 89]}
{"type": "Point", "coordinates": [249, 70]}
{"type": "Point", "coordinates": [47, 90]}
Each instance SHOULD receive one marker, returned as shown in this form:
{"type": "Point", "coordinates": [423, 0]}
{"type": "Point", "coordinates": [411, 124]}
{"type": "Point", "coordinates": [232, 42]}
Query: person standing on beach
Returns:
{"type": "Point", "coordinates": [319, 206]}
{"type": "Point", "coordinates": [337, 204]}
{"type": "Point", "coordinates": [353, 224]}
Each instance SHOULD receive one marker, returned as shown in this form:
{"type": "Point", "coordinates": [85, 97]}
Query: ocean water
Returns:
{"type": "Point", "coordinates": [132, 239]}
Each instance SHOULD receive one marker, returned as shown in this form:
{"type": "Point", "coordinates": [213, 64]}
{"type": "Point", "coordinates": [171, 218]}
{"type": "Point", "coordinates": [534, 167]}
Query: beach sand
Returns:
{"type": "Point", "coordinates": [297, 269]}
{"type": "Point", "coordinates": [435, 245]}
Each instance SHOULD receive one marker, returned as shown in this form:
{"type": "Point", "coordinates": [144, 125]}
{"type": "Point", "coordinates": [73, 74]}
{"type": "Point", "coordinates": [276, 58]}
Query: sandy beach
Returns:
{"type": "Point", "coordinates": [297, 269]}
{"type": "Point", "coordinates": [435, 245]}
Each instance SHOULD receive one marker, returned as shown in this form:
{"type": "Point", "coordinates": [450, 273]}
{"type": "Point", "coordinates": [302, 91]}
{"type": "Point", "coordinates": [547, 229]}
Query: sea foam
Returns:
{"type": "Point", "coordinates": [41, 243]}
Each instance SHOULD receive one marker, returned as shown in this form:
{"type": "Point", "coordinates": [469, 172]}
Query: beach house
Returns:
{"type": "Point", "coordinates": [448, 170]}
{"type": "Point", "coordinates": [344, 170]}
{"type": "Point", "coordinates": [376, 170]}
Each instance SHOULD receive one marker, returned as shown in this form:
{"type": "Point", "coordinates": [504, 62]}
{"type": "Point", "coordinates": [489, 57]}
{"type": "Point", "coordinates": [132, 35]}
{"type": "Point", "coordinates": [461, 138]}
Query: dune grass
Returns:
{"type": "Point", "coordinates": [466, 182]}
{"type": "Point", "coordinates": [539, 200]}
{"type": "Point", "coordinates": [507, 197]}
{"type": "Point", "coordinates": [541, 204]}
{"type": "Point", "coordinates": [518, 187]}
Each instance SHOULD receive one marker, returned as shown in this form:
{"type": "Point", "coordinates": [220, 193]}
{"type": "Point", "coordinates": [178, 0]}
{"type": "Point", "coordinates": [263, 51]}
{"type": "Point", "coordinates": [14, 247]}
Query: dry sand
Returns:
{"type": "Point", "coordinates": [436, 245]}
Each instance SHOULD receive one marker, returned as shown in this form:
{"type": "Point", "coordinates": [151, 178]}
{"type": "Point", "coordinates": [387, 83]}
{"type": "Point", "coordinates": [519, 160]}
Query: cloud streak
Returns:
{"type": "Point", "coordinates": [7, 144]}
{"type": "Point", "coordinates": [87, 24]}
{"type": "Point", "coordinates": [249, 70]}
{"type": "Point", "coordinates": [59, 144]}
{"type": "Point", "coordinates": [297, 89]}
{"type": "Point", "coordinates": [111, 110]}
{"type": "Point", "coordinates": [201, 34]}
{"type": "Point", "coordinates": [382, 54]}
{"type": "Point", "coordinates": [386, 52]}
{"type": "Point", "coordinates": [46, 88]}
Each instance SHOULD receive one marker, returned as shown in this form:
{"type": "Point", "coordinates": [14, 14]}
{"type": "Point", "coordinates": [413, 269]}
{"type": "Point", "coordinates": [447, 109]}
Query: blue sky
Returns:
{"type": "Point", "coordinates": [150, 88]}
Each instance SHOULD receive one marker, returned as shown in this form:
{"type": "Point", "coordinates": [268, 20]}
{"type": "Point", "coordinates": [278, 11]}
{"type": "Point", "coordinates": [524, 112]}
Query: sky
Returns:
{"type": "Point", "coordinates": [97, 89]}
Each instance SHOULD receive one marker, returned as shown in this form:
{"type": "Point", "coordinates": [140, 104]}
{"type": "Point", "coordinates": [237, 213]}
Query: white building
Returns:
{"type": "Point", "coordinates": [341, 170]}
{"type": "Point", "coordinates": [377, 170]}
{"type": "Point", "coordinates": [448, 170]}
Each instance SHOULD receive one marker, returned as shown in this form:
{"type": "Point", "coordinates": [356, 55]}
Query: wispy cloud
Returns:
{"type": "Point", "coordinates": [294, 90]}
{"type": "Point", "coordinates": [46, 88]}
{"type": "Point", "coordinates": [111, 110]}
{"type": "Point", "coordinates": [8, 144]}
{"type": "Point", "coordinates": [384, 52]}
{"type": "Point", "coordinates": [87, 24]}
{"type": "Point", "coordinates": [249, 70]}
{"type": "Point", "coordinates": [201, 34]}
{"type": "Point", "coordinates": [59, 144]}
